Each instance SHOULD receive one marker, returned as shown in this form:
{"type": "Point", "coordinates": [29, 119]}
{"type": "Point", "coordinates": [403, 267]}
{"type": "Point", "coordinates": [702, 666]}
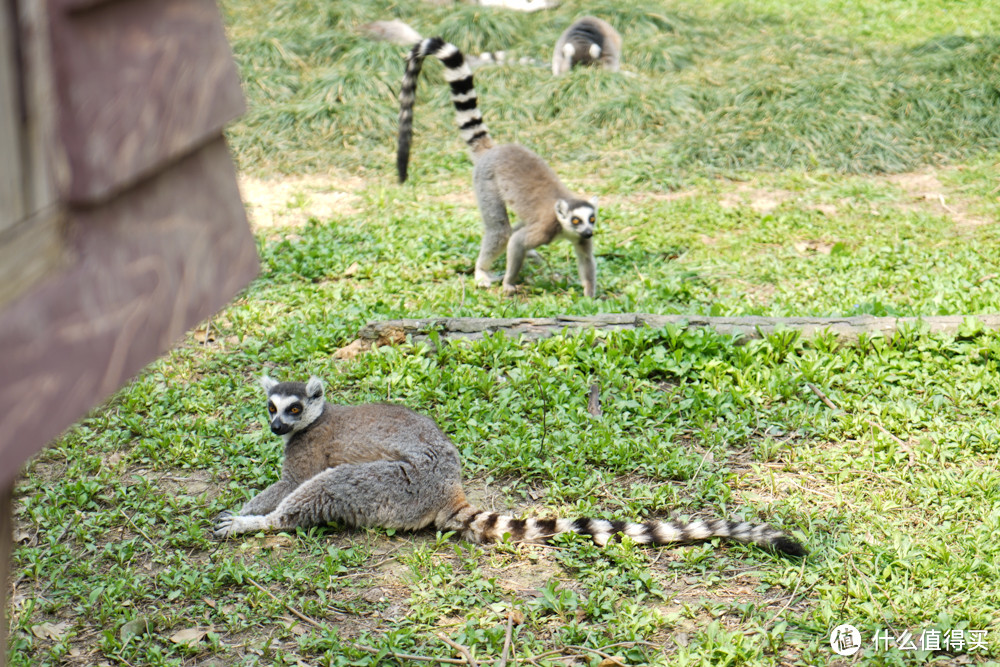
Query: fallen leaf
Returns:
{"type": "Point", "coordinates": [190, 635]}
{"type": "Point", "coordinates": [359, 346]}
{"type": "Point", "coordinates": [54, 631]}
{"type": "Point", "coordinates": [204, 335]}
{"type": "Point", "coordinates": [135, 627]}
{"type": "Point", "coordinates": [613, 661]}
{"type": "Point", "coordinates": [294, 626]}
{"type": "Point", "coordinates": [352, 269]}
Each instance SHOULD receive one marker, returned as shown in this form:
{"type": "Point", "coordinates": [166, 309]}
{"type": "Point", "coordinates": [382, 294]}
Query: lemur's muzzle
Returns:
{"type": "Point", "coordinates": [279, 427]}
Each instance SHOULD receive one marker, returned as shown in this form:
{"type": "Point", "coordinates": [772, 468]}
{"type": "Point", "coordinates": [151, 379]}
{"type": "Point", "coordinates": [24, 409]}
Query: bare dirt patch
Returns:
{"type": "Point", "coordinates": [291, 201]}
{"type": "Point", "coordinates": [464, 199]}
{"type": "Point", "coordinates": [191, 483]}
{"type": "Point", "coordinates": [761, 200]}
{"type": "Point", "coordinates": [925, 192]}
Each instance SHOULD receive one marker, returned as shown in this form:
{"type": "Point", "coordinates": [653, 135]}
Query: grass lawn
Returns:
{"type": "Point", "coordinates": [768, 158]}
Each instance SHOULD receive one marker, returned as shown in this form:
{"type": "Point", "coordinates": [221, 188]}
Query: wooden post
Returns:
{"type": "Point", "coordinates": [6, 546]}
{"type": "Point", "coordinates": [121, 224]}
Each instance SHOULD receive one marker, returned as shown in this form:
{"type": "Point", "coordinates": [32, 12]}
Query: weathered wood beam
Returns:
{"type": "Point", "coordinates": [846, 329]}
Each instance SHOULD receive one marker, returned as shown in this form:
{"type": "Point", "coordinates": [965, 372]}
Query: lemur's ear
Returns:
{"type": "Point", "coordinates": [267, 384]}
{"type": "Point", "coordinates": [562, 209]}
{"type": "Point", "coordinates": [314, 388]}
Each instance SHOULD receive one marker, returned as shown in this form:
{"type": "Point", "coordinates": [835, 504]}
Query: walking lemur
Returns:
{"type": "Point", "coordinates": [504, 176]}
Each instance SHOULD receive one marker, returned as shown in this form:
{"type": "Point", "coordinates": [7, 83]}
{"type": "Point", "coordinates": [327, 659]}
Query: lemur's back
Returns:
{"type": "Point", "coordinates": [346, 434]}
{"type": "Point", "coordinates": [523, 180]}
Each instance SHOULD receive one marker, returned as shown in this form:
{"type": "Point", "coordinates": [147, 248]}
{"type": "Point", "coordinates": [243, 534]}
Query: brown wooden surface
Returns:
{"type": "Point", "coordinates": [41, 160]}
{"type": "Point", "coordinates": [29, 251]}
{"type": "Point", "coordinates": [31, 240]}
{"type": "Point", "coordinates": [121, 224]}
{"type": "Point", "coordinates": [140, 84]}
{"type": "Point", "coordinates": [149, 266]}
{"type": "Point", "coordinates": [12, 206]}
{"type": "Point", "coordinates": [6, 545]}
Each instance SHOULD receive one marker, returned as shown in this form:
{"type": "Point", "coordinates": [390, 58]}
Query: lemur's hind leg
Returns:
{"type": "Point", "coordinates": [496, 229]}
{"type": "Point", "coordinates": [390, 494]}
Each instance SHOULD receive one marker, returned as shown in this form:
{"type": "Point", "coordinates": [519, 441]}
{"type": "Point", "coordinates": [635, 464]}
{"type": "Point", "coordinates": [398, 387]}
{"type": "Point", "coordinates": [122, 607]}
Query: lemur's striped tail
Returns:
{"type": "Point", "coordinates": [463, 96]}
{"type": "Point", "coordinates": [478, 525]}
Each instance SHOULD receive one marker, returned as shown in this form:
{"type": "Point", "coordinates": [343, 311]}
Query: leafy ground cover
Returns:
{"type": "Point", "coordinates": [822, 159]}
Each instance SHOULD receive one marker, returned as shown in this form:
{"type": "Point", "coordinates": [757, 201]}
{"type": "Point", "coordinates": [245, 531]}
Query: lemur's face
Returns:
{"type": "Point", "coordinates": [292, 406]}
{"type": "Point", "coordinates": [577, 217]}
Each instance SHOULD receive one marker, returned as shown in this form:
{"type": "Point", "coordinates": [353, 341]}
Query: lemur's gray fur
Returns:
{"type": "Point", "coordinates": [589, 41]}
{"type": "Point", "coordinates": [393, 31]}
{"type": "Point", "coordinates": [385, 465]}
{"type": "Point", "coordinates": [504, 176]}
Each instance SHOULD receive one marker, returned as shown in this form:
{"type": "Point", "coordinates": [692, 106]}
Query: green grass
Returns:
{"type": "Point", "coordinates": [720, 88]}
{"type": "Point", "coordinates": [770, 159]}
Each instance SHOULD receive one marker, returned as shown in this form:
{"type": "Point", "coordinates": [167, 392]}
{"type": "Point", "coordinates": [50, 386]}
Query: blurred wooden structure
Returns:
{"type": "Point", "coordinates": [121, 224]}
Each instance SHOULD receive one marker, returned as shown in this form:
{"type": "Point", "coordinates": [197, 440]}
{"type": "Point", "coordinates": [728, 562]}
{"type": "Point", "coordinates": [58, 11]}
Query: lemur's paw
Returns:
{"type": "Point", "coordinates": [510, 290]}
{"type": "Point", "coordinates": [223, 525]}
{"type": "Point", "coordinates": [483, 279]}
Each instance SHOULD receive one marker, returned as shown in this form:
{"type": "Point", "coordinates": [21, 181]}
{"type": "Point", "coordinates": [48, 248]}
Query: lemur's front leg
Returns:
{"type": "Point", "coordinates": [587, 266]}
{"type": "Point", "coordinates": [517, 248]}
{"type": "Point", "coordinates": [265, 501]}
{"type": "Point", "coordinates": [248, 520]}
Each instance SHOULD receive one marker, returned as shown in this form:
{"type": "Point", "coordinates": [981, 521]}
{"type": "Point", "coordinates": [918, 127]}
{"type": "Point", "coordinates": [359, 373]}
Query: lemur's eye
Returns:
{"type": "Point", "coordinates": [591, 219]}
{"type": "Point", "coordinates": [271, 408]}
{"type": "Point", "coordinates": [576, 220]}
{"type": "Point", "coordinates": [295, 410]}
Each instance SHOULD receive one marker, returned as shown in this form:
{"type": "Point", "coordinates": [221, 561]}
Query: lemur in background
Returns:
{"type": "Point", "coordinates": [588, 41]}
{"type": "Point", "coordinates": [504, 176]}
{"type": "Point", "coordinates": [385, 465]}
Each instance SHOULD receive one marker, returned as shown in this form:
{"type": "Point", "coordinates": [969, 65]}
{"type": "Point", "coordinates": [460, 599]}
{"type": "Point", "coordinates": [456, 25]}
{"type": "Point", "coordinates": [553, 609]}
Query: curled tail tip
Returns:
{"type": "Point", "coordinates": [789, 547]}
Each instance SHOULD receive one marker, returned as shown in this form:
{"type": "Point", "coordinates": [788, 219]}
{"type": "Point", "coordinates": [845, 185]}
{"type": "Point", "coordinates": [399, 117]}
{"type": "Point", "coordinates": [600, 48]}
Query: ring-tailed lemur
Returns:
{"type": "Point", "coordinates": [587, 42]}
{"type": "Point", "coordinates": [385, 465]}
{"type": "Point", "coordinates": [506, 175]}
